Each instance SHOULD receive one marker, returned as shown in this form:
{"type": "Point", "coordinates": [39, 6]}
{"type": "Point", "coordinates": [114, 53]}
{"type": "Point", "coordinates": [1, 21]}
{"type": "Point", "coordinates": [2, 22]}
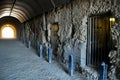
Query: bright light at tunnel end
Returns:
{"type": "Point", "coordinates": [8, 31]}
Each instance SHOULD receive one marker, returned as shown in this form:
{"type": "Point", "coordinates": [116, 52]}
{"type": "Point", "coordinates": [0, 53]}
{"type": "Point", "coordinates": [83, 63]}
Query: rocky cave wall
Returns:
{"type": "Point", "coordinates": [72, 20]}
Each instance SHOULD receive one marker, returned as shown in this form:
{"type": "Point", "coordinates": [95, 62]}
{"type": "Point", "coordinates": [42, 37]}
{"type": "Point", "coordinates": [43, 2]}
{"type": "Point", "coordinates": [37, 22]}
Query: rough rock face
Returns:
{"type": "Point", "coordinates": [72, 20]}
{"type": "Point", "coordinates": [114, 55]}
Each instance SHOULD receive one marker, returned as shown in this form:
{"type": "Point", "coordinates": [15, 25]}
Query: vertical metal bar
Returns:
{"type": "Point", "coordinates": [95, 40]}
{"type": "Point", "coordinates": [93, 23]}
{"type": "Point", "coordinates": [97, 47]}
{"type": "Point", "coordinates": [98, 53]}
{"type": "Point", "coordinates": [105, 42]}
{"type": "Point", "coordinates": [100, 42]}
{"type": "Point", "coordinates": [97, 59]}
{"type": "Point", "coordinates": [90, 41]}
{"type": "Point", "coordinates": [101, 52]}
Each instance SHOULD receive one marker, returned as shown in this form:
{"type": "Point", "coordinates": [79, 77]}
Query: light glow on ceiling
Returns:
{"type": "Point", "coordinates": [4, 14]}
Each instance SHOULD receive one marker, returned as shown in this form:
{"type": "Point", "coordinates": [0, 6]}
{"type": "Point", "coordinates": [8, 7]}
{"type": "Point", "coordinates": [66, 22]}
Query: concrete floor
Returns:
{"type": "Point", "coordinates": [20, 63]}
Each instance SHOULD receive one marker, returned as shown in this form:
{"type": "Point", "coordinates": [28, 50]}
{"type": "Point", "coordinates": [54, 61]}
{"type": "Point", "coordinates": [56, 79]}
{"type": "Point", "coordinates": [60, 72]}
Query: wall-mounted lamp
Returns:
{"type": "Point", "coordinates": [112, 19]}
{"type": "Point", "coordinates": [112, 22]}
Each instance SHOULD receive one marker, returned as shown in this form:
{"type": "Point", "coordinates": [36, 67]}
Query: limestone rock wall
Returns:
{"type": "Point", "coordinates": [114, 55]}
{"type": "Point", "coordinates": [114, 71]}
{"type": "Point", "coordinates": [72, 20]}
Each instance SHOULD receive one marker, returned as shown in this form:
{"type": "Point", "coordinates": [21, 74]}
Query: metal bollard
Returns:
{"type": "Point", "coordinates": [28, 44]}
{"type": "Point", "coordinates": [103, 71]}
{"type": "Point", "coordinates": [23, 41]}
{"type": "Point", "coordinates": [71, 64]}
{"type": "Point", "coordinates": [41, 50]}
{"type": "Point", "coordinates": [50, 50]}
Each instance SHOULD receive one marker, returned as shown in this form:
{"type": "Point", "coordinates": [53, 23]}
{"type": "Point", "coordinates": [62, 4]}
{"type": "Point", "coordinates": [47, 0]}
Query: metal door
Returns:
{"type": "Point", "coordinates": [99, 40]}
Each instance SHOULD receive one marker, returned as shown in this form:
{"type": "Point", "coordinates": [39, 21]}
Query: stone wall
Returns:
{"type": "Point", "coordinates": [114, 71]}
{"type": "Point", "coordinates": [115, 54]}
{"type": "Point", "coordinates": [72, 20]}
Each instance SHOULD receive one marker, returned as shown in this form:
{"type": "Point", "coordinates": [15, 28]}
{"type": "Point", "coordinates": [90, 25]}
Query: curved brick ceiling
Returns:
{"type": "Point", "coordinates": [26, 9]}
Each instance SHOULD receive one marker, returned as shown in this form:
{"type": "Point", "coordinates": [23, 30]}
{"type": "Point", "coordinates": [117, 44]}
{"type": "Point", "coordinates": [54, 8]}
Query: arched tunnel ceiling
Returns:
{"type": "Point", "coordinates": [26, 9]}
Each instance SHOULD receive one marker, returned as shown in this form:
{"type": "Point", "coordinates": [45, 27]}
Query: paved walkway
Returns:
{"type": "Point", "coordinates": [20, 63]}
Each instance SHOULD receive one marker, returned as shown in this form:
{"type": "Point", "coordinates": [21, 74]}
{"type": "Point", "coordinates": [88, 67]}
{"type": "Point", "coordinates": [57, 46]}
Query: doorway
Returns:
{"type": "Point", "coordinates": [8, 31]}
{"type": "Point", "coordinates": [99, 42]}
{"type": "Point", "coordinates": [54, 38]}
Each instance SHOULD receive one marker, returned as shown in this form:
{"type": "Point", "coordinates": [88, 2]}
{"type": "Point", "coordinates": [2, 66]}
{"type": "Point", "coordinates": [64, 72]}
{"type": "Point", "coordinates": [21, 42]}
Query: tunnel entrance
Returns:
{"type": "Point", "coordinates": [8, 31]}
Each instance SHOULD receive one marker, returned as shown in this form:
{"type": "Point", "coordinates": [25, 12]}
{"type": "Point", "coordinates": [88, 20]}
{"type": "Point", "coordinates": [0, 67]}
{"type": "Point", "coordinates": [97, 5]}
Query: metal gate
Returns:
{"type": "Point", "coordinates": [99, 40]}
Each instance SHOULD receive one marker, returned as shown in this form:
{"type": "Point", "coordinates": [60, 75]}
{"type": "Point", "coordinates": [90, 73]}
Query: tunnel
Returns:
{"type": "Point", "coordinates": [9, 28]}
{"type": "Point", "coordinates": [59, 39]}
